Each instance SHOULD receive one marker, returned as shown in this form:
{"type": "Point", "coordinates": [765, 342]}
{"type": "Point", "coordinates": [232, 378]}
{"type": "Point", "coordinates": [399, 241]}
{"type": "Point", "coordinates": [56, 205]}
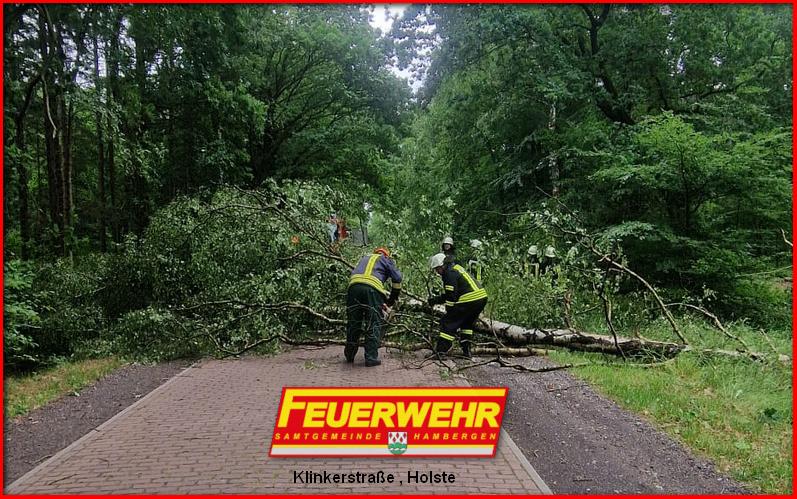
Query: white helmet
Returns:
{"type": "Point", "coordinates": [475, 243]}
{"type": "Point", "coordinates": [533, 250]}
{"type": "Point", "coordinates": [550, 252]}
{"type": "Point", "coordinates": [437, 261]}
{"type": "Point", "coordinates": [448, 240]}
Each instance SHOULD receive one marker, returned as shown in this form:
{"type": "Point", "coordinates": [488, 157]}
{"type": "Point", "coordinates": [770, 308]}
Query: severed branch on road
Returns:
{"type": "Point", "coordinates": [513, 340]}
{"type": "Point", "coordinates": [514, 335]}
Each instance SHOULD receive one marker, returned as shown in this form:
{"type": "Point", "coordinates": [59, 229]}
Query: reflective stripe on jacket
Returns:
{"type": "Point", "coordinates": [374, 270]}
{"type": "Point", "coordinates": [460, 287]}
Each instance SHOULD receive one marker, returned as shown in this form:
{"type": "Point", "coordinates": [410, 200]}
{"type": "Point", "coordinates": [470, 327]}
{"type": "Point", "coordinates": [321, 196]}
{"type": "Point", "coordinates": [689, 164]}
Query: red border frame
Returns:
{"type": "Point", "coordinates": [315, 496]}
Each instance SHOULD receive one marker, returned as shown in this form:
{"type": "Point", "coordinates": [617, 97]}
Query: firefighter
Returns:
{"type": "Point", "coordinates": [475, 265]}
{"type": "Point", "coordinates": [464, 298]}
{"type": "Point", "coordinates": [448, 249]}
{"type": "Point", "coordinates": [533, 261]}
{"type": "Point", "coordinates": [548, 265]}
{"type": "Point", "coordinates": [368, 302]}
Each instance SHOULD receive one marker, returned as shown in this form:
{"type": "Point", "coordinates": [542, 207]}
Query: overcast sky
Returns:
{"type": "Point", "coordinates": [382, 18]}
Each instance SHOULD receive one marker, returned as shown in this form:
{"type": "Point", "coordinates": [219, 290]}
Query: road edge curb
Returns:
{"type": "Point", "coordinates": [535, 477]}
{"type": "Point", "coordinates": [8, 490]}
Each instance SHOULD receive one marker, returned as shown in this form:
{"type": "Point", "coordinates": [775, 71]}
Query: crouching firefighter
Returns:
{"type": "Point", "coordinates": [367, 302]}
{"type": "Point", "coordinates": [464, 298]}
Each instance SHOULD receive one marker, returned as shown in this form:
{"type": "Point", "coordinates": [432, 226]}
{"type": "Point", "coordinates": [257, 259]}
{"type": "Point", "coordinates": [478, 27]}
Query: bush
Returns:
{"type": "Point", "coordinates": [127, 281]}
{"type": "Point", "coordinates": [49, 312]}
{"type": "Point", "coordinates": [202, 270]}
{"type": "Point", "coordinates": [67, 295]}
{"type": "Point", "coordinates": [20, 316]}
{"type": "Point", "coordinates": [759, 300]}
{"type": "Point", "coordinates": [153, 334]}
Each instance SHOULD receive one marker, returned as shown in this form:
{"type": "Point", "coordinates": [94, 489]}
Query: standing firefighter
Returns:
{"type": "Point", "coordinates": [549, 264]}
{"type": "Point", "coordinates": [464, 298]}
{"type": "Point", "coordinates": [475, 265]}
{"type": "Point", "coordinates": [448, 249]}
{"type": "Point", "coordinates": [533, 262]}
{"type": "Point", "coordinates": [367, 302]}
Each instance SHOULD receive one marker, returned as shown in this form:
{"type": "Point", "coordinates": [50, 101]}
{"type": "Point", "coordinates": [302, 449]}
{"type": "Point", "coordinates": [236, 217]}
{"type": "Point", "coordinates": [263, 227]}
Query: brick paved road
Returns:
{"type": "Point", "coordinates": [208, 430]}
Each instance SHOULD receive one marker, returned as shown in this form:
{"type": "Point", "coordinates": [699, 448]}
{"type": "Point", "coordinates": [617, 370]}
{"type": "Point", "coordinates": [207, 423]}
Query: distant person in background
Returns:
{"type": "Point", "coordinates": [343, 233]}
{"type": "Point", "coordinates": [475, 265]}
{"type": "Point", "coordinates": [448, 249]}
{"type": "Point", "coordinates": [548, 265]}
{"type": "Point", "coordinates": [332, 227]}
{"type": "Point", "coordinates": [532, 266]}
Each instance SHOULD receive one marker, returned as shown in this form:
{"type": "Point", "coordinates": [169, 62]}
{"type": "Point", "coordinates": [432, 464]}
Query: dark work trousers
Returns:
{"type": "Point", "coordinates": [364, 312]}
{"type": "Point", "coordinates": [459, 318]}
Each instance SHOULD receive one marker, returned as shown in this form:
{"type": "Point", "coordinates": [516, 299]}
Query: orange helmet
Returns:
{"type": "Point", "coordinates": [383, 250]}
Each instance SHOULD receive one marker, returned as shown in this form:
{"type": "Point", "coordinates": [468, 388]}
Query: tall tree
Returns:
{"type": "Point", "coordinates": [100, 146]}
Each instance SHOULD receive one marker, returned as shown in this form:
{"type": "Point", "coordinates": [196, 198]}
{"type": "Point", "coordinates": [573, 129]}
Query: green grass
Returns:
{"type": "Point", "coordinates": [736, 412]}
{"type": "Point", "coordinates": [26, 393]}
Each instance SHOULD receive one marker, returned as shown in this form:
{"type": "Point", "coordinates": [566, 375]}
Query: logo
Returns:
{"type": "Point", "coordinates": [397, 442]}
{"type": "Point", "coordinates": [392, 421]}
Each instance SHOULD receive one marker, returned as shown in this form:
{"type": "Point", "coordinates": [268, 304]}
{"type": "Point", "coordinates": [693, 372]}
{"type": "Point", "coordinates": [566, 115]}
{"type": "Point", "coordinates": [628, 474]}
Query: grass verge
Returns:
{"type": "Point", "coordinates": [26, 393]}
{"type": "Point", "coordinates": [737, 413]}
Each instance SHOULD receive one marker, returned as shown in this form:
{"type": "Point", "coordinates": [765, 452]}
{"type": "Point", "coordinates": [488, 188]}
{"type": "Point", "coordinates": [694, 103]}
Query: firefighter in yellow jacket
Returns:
{"type": "Point", "coordinates": [464, 298]}
{"type": "Point", "coordinates": [367, 301]}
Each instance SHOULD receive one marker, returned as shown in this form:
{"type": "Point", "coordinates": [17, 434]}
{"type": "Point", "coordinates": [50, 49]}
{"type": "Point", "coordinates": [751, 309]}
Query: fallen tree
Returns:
{"type": "Point", "coordinates": [590, 342]}
{"type": "Point", "coordinates": [289, 295]}
{"type": "Point", "coordinates": [514, 335]}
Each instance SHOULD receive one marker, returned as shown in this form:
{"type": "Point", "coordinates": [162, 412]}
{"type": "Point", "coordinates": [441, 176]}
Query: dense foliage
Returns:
{"type": "Point", "coordinates": [667, 128]}
{"type": "Point", "coordinates": [113, 111]}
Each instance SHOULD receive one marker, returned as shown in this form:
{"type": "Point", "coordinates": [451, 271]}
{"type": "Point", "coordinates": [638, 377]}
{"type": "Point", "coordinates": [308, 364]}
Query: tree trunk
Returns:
{"type": "Point", "coordinates": [66, 149]}
{"type": "Point", "coordinates": [22, 189]}
{"type": "Point", "coordinates": [576, 340]}
{"type": "Point", "coordinates": [69, 82]}
{"type": "Point", "coordinates": [100, 148]}
{"type": "Point", "coordinates": [588, 342]}
{"type": "Point", "coordinates": [553, 161]}
{"type": "Point", "coordinates": [580, 341]}
{"type": "Point", "coordinates": [112, 74]}
{"type": "Point", "coordinates": [52, 146]}
{"type": "Point", "coordinates": [22, 168]}
{"type": "Point", "coordinates": [6, 186]}
{"type": "Point", "coordinates": [137, 214]}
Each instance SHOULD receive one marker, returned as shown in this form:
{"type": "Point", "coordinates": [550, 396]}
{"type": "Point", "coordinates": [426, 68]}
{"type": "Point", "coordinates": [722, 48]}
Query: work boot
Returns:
{"type": "Point", "coordinates": [466, 349]}
{"type": "Point", "coordinates": [349, 351]}
{"type": "Point", "coordinates": [443, 346]}
{"type": "Point", "coordinates": [373, 363]}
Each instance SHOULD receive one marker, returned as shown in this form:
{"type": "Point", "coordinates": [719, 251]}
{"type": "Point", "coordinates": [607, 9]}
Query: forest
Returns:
{"type": "Point", "coordinates": [169, 170]}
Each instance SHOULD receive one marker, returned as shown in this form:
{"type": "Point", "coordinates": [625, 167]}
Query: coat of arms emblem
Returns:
{"type": "Point", "coordinates": [397, 442]}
